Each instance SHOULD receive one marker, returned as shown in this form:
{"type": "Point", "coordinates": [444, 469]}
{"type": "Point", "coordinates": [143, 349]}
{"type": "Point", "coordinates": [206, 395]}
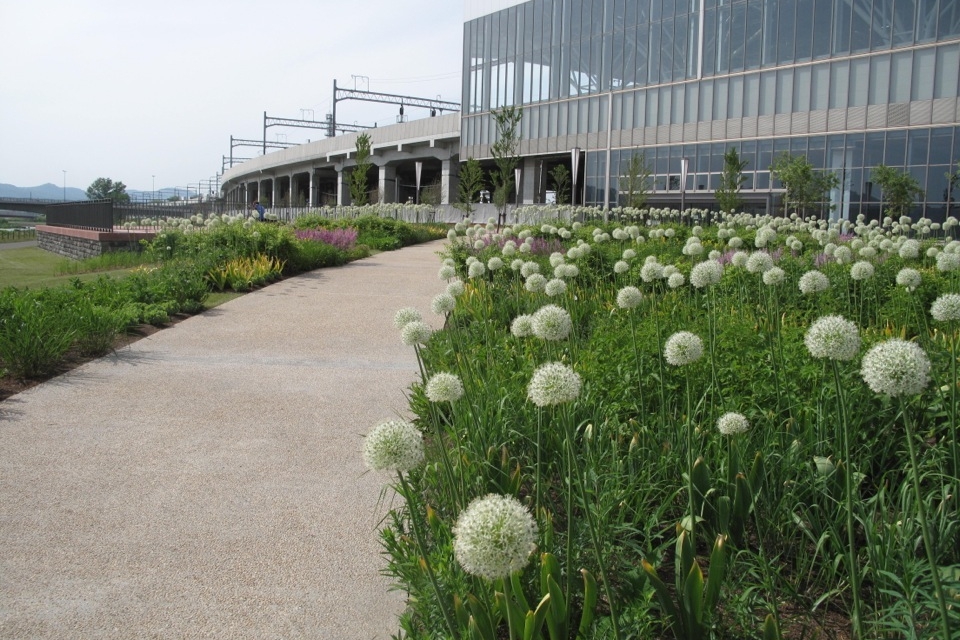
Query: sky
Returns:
{"type": "Point", "coordinates": [149, 93]}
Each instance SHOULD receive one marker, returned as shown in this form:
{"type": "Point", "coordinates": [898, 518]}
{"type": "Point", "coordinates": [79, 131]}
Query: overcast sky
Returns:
{"type": "Point", "coordinates": [129, 90]}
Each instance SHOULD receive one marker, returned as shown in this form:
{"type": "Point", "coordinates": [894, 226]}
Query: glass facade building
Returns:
{"type": "Point", "coordinates": [849, 84]}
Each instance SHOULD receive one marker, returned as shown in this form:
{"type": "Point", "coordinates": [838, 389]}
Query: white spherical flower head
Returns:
{"type": "Point", "coordinates": [946, 308]}
{"type": "Point", "coordinates": [833, 337]}
{"type": "Point", "coordinates": [522, 326]}
{"type": "Point", "coordinates": [516, 264]}
{"type": "Point", "coordinates": [556, 258]}
{"type": "Point", "coordinates": [555, 287]}
{"type": "Point", "coordinates": [393, 446]}
{"type": "Point", "coordinates": [732, 423]}
{"type": "Point", "coordinates": [455, 288]}
{"type": "Point", "coordinates": [706, 274]}
{"type": "Point", "coordinates": [509, 249]}
{"type": "Point", "coordinates": [494, 264]}
{"type": "Point", "coordinates": [948, 261]}
{"type": "Point", "coordinates": [759, 261]}
{"type": "Point", "coordinates": [535, 283]}
{"type": "Point", "coordinates": [683, 348]}
{"type": "Point", "coordinates": [476, 269]}
{"type": "Point", "coordinates": [896, 368]}
{"type": "Point", "coordinates": [447, 272]}
{"type": "Point", "coordinates": [494, 537]}
{"type": "Point", "coordinates": [629, 297]}
{"type": "Point", "coordinates": [552, 323]}
{"type": "Point", "coordinates": [443, 303]}
{"type": "Point", "coordinates": [621, 266]}
{"type": "Point", "coordinates": [861, 271]}
{"type": "Point", "coordinates": [739, 259]}
{"type": "Point", "coordinates": [567, 271]}
{"type": "Point", "coordinates": [416, 332]}
{"type": "Point", "coordinates": [843, 254]}
{"type": "Point", "coordinates": [529, 268]}
{"type": "Point", "coordinates": [908, 278]}
{"type": "Point", "coordinates": [553, 383]}
{"type": "Point", "coordinates": [629, 254]}
{"type": "Point", "coordinates": [774, 276]}
{"type": "Point", "coordinates": [444, 387]}
{"type": "Point", "coordinates": [651, 271]}
{"type": "Point", "coordinates": [405, 316]}
{"type": "Point", "coordinates": [813, 282]}
{"type": "Point", "coordinates": [909, 250]}
{"type": "Point", "coordinates": [675, 280]}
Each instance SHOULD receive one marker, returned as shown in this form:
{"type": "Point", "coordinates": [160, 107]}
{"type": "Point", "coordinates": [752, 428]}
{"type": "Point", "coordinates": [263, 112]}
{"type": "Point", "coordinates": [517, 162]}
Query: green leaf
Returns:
{"type": "Point", "coordinates": [535, 619]}
{"type": "Point", "coordinates": [516, 590]}
{"type": "Point", "coordinates": [663, 595]}
{"type": "Point", "coordinates": [771, 630]}
{"type": "Point", "coordinates": [692, 603]}
{"type": "Point", "coordinates": [557, 620]}
{"type": "Point", "coordinates": [717, 573]}
{"type": "Point", "coordinates": [589, 601]}
{"type": "Point", "coordinates": [481, 617]}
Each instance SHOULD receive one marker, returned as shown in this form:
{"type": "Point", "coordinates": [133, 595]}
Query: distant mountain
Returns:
{"type": "Point", "coordinates": [47, 191]}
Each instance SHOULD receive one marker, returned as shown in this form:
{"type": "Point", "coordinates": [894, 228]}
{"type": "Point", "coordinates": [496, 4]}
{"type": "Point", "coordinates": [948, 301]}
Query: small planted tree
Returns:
{"type": "Point", "coordinates": [898, 189]}
{"type": "Point", "coordinates": [107, 189]}
{"type": "Point", "coordinates": [561, 183]}
{"type": "Point", "coordinates": [505, 152]}
{"type": "Point", "coordinates": [471, 182]}
{"type": "Point", "coordinates": [805, 185]}
{"type": "Point", "coordinates": [731, 181]}
{"type": "Point", "coordinates": [636, 183]}
{"type": "Point", "coordinates": [358, 177]}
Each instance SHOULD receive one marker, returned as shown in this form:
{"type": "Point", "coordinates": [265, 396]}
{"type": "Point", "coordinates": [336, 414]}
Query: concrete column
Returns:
{"type": "Point", "coordinates": [312, 195]}
{"type": "Point", "coordinates": [388, 183]}
{"type": "Point", "coordinates": [343, 187]}
{"type": "Point", "coordinates": [529, 177]}
{"type": "Point", "coordinates": [449, 182]}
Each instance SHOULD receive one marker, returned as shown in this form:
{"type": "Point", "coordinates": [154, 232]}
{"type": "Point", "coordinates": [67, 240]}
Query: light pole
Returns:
{"type": "Point", "coordinates": [64, 184]}
{"type": "Point", "coordinates": [153, 187]}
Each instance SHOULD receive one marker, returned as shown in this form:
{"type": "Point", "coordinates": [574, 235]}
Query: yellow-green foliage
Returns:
{"type": "Point", "coordinates": [244, 273]}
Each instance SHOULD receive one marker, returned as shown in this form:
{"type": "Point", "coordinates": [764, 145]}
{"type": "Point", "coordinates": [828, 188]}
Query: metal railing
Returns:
{"type": "Point", "coordinates": [105, 215]}
{"type": "Point", "coordinates": [92, 215]}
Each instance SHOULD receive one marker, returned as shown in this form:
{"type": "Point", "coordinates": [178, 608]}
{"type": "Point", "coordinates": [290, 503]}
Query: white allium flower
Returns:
{"type": "Point", "coordinates": [447, 271]}
{"type": "Point", "coordinates": [524, 248]}
{"type": "Point", "coordinates": [629, 254]}
{"type": "Point", "coordinates": [813, 282]}
{"type": "Point", "coordinates": [861, 270]}
{"type": "Point", "coordinates": [909, 279]}
{"type": "Point", "coordinates": [567, 271]}
{"type": "Point", "coordinates": [833, 337]}
{"type": "Point", "coordinates": [629, 297]}
{"type": "Point", "coordinates": [706, 273]}
{"type": "Point", "coordinates": [455, 288]}
{"type": "Point", "coordinates": [843, 254]}
{"type": "Point", "coordinates": [732, 423]}
{"type": "Point", "coordinates": [522, 326]}
{"type": "Point", "coordinates": [405, 316]}
{"type": "Point", "coordinates": [948, 261]}
{"type": "Point", "coordinates": [932, 252]}
{"type": "Point", "coordinates": [683, 348]}
{"type": "Point", "coordinates": [739, 259]}
{"type": "Point", "coordinates": [516, 264]}
{"type": "Point", "coordinates": [535, 283]}
{"type": "Point", "coordinates": [774, 276]}
{"type": "Point", "coordinates": [553, 383]}
{"type": "Point", "coordinates": [494, 264]}
{"type": "Point", "coordinates": [759, 261]}
{"type": "Point", "coordinates": [476, 269]}
{"type": "Point", "coordinates": [556, 258]}
{"type": "Point", "coordinates": [896, 368]}
{"type": "Point", "coordinates": [393, 446]}
{"type": "Point", "coordinates": [416, 332]}
{"type": "Point", "coordinates": [555, 287]}
{"type": "Point", "coordinates": [444, 387]}
{"type": "Point", "coordinates": [651, 271]}
{"type": "Point", "coordinates": [443, 303]}
{"type": "Point", "coordinates": [946, 308]}
{"type": "Point", "coordinates": [735, 242]}
{"type": "Point", "coordinates": [669, 270]}
{"type": "Point", "coordinates": [529, 268]}
{"type": "Point", "coordinates": [675, 280]}
{"type": "Point", "coordinates": [621, 266]}
{"type": "Point", "coordinates": [552, 323]}
{"type": "Point", "coordinates": [479, 245]}
{"type": "Point", "coordinates": [714, 255]}
{"type": "Point", "coordinates": [494, 537]}
{"type": "Point", "coordinates": [909, 250]}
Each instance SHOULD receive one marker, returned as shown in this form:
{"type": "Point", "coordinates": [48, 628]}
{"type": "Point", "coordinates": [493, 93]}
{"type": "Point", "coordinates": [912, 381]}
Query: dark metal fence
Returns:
{"type": "Point", "coordinates": [105, 215]}
{"type": "Point", "coordinates": [94, 215]}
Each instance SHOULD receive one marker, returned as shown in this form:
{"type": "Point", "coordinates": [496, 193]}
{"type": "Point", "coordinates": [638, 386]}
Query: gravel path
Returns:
{"type": "Point", "coordinates": [206, 482]}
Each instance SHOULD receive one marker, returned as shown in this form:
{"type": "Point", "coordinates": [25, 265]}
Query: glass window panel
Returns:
{"type": "Point", "coordinates": [820, 87]}
{"type": "Point", "coordinates": [927, 13]}
{"type": "Point", "coordinates": [768, 12]}
{"type": "Point", "coordinates": [639, 109]}
{"type": "Point", "coordinates": [879, 80]}
{"type": "Point", "coordinates": [855, 144]}
{"type": "Point", "coordinates": [949, 24]}
{"type": "Point", "coordinates": [678, 102]}
{"type": "Point", "coordinates": [755, 35]}
{"type": "Point", "coordinates": [859, 81]}
{"type": "Point", "coordinates": [821, 28]}
{"type": "Point", "coordinates": [801, 91]}
{"type": "Point", "coordinates": [528, 123]}
{"type": "Point", "coordinates": [572, 115]}
{"type": "Point", "coordinates": [785, 91]}
{"type": "Point", "coordinates": [709, 42]}
{"type": "Point", "coordinates": [554, 120]}
{"type": "Point", "coordinates": [881, 31]}
{"type": "Point", "coordinates": [946, 75]}
{"type": "Point", "coordinates": [720, 91]}
{"type": "Point", "coordinates": [690, 111]}
{"type": "Point", "coordinates": [918, 143]}
{"type": "Point", "coordinates": [583, 116]}
{"type": "Point", "coordinates": [735, 98]}
{"type": "Point", "coordinates": [940, 140]}
{"type": "Point", "coordinates": [562, 118]}
{"type": "Point", "coordinates": [706, 101]}
{"type": "Point", "coordinates": [593, 124]}
{"type": "Point", "coordinates": [666, 50]}
{"type": "Point", "coordinates": [923, 70]}
{"type": "Point", "coordinates": [748, 153]}
{"type": "Point", "coordinates": [786, 38]}
{"type": "Point", "coordinates": [937, 185]}
{"type": "Point", "coordinates": [896, 149]}
{"type": "Point", "coordinates": [665, 105]}
{"type": "Point", "coordinates": [861, 25]}
{"type": "Point", "coordinates": [653, 58]}
{"type": "Point", "coordinates": [751, 98]}
{"type": "Point", "coordinates": [617, 122]}
{"type": "Point", "coordinates": [680, 58]}
{"type": "Point", "coordinates": [723, 39]}
{"type": "Point", "coordinates": [604, 108]}
{"type": "Point", "coordinates": [614, 52]}
{"type": "Point", "coordinates": [842, 16]}
{"type": "Point", "coordinates": [692, 53]}
{"type": "Point", "coordinates": [804, 30]}
{"type": "Point", "coordinates": [627, 122]}
{"type": "Point", "coordinates": [873, 148]}
{"type": "Point", "coordinates": [816, 151]}
{"type": "Point", "coordinates": [653, 102]}
{"type": "Point", "coordinates": [643, 55]}
{"type": "Point", "coordinates": [904, 14]}
{"type": "Point", "coordinates": [630, 57]}
{"type": "Point", "coordinates": [738, 36]}
{"type": "Point", "coordinates": [900, 72]}
{"type": "Point", "coordinates": [839, 84]}
{"type": "Point", "coordinates": [764, 154]}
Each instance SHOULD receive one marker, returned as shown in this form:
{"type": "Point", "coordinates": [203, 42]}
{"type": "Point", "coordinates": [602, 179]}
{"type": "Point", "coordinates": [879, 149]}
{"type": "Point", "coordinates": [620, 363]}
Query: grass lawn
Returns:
{"type": "Point", "coordinates": [32, 267]}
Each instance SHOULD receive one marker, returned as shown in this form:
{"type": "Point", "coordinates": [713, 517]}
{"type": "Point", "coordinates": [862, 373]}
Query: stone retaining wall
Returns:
{"type": "Point", "coordinates": [81, 243]}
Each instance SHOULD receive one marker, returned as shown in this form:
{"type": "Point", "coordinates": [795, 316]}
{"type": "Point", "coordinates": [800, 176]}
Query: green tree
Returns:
{"type": "Point", "coordinates": [805, 186]}
{"type": "Point", "coordinates": [432, 194]}
{"type": "Point", "coordinates": [561, 183]}
{"type": "Point", "coordinates": [107, 189]}
{"type": "Point", "coordinates": [898, 189]}
{"type": "Point", "coordinates": [731, 180]}
{"type": "Point", "coordinates": [506, 156]}
{"type": "Point", "coordinates": [636, 182]}
{"type": "Point", "coordinates": [358, 177]}
{"type": "Point", "coordinates": [470, 184]}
